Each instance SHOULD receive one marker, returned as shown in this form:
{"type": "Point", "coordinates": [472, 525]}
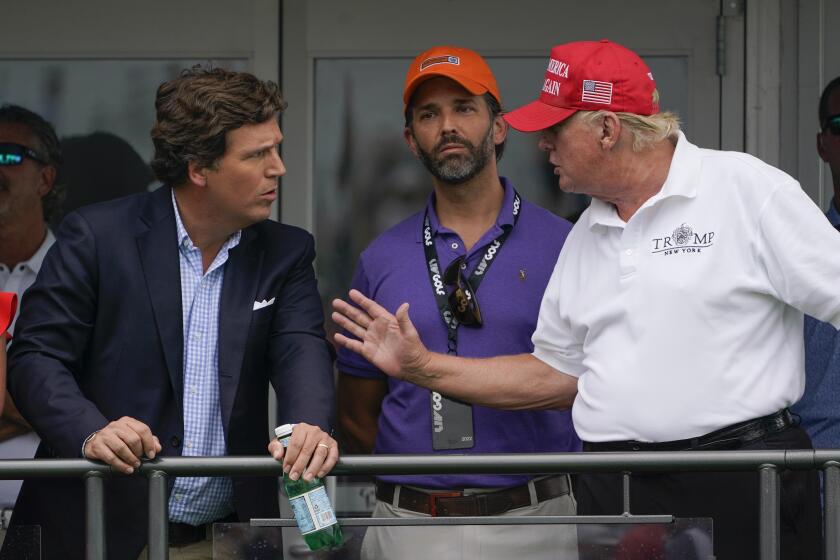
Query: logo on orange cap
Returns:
{"type": "Point", "coordinates": [439, 60]}
{"type": "Point", "coordinates": [464, 66]}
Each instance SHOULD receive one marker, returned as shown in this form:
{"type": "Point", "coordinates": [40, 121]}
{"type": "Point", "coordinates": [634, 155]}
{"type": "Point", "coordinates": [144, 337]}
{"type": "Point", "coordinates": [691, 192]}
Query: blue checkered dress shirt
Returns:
{"type": "Point", "coordinates": [200, 500]}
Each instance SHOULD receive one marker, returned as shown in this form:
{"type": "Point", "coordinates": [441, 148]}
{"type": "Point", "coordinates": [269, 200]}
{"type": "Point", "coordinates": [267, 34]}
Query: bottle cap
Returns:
{"type": "Point", "coordinates": [284, 430]}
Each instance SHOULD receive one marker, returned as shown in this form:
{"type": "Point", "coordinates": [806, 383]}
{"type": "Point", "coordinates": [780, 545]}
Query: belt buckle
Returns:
{"type": "Point", "coordinates": [435, 496]}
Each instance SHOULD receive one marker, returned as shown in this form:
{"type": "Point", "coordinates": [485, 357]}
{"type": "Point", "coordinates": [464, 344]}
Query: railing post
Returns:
{"type": "Point", "coordinates": [625, 491]}
{"type": "Point", "coordinates": [769, 520]}
{"type": "Point", "coordinates": [832, 510]}
{"type": "Point", "coordinates": [95, 515]}
{"type": "Point", "coordinates": [158, 517]}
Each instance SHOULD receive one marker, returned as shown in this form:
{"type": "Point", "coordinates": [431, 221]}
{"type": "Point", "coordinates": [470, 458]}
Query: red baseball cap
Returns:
{"type": "Point", "coordinates": [8, 305]}
{"type": "Point", "coordinates": [588, 76]}
{"type": "Point", "coordinates": [456, 63]}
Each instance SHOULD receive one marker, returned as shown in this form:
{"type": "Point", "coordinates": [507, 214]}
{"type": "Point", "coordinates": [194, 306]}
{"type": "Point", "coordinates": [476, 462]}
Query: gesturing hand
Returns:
{"type": "Point", "coordinates": [122, 443]}
{"type": "Point", "coordinates": [389, 342]}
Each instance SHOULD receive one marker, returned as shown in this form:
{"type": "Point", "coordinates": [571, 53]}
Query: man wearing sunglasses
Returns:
{"type": "Point", "coordinates": [30, 157]}
{"type": "Point", "coordinates": [818, 408]}
{"type": "Point", "coordinates": [673, 319]}
{"type": "Point", "coordinates": [476, 241]}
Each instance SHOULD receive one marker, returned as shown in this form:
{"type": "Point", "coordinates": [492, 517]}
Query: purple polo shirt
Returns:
{"type": "Point", "coordinates": [392, 270]}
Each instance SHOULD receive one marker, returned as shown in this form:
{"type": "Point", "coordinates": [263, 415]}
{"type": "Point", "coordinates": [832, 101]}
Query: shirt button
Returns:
{"type": "Point", "coordinates": [454, 245]}
{"type": "Point", "coordinates": [193, 389]}
{"type": "Point", "coordinates": [189, 445]}
{"type": "Point", "coordinates": [463, 266]}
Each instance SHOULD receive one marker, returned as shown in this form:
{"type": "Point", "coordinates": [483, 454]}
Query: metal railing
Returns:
{"type": "Point", "coordinates": [767, 463]}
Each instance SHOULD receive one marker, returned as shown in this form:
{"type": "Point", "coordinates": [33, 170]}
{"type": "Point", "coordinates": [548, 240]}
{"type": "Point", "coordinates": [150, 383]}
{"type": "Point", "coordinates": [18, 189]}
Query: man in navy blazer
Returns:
{"type": "Point", "coordinates": [159, 319]}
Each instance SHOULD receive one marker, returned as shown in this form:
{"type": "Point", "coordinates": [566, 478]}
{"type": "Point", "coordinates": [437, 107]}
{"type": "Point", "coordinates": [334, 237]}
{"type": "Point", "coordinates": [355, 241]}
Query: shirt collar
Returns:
{"type": "Point", "coordinates": [505, 217]}
{"type": "Point", "coordinates": [682, 181]}
{"type": "Point", "coordinates": [35, 262]}
{"type": "Point", "coordinates": [184, 237]}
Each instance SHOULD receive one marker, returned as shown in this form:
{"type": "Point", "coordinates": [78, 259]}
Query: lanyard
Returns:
{"type": "Point", "coordinates": [478, 274]}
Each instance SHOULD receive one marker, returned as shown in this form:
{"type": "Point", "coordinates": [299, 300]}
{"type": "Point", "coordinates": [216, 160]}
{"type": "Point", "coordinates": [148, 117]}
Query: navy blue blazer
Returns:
{"type": "Point", "coordinates": [100, 336]}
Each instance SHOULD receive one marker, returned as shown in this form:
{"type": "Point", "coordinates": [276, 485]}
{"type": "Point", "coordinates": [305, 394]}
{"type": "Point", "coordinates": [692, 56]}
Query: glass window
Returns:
{"type": "Point", "coordinates": [84, 96]}
{"type": "Point", "coordinates": [103, 111]}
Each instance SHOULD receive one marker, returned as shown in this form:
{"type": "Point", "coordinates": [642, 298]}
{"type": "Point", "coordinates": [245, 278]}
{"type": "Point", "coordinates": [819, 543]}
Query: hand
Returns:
{"type": "Point", "coordinates": [389, 342]}
{"type": "Point", "coordinates": [122, 443]}
{"type": "Point", "coordinates": [311, 451]}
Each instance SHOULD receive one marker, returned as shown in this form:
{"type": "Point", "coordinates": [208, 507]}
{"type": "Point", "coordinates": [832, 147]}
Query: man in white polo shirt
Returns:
{"type": "Point", "coordinates": [673, 319]}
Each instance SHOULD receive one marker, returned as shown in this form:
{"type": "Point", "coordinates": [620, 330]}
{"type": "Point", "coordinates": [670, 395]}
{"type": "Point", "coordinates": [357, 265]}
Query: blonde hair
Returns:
{"type": "Point", "coordinates": [646, 130]}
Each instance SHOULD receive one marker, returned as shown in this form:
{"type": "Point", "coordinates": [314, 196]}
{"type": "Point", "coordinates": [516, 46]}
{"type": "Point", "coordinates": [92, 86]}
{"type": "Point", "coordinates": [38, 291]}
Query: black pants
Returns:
{"type": "Point", "coordinates": [731, 499]}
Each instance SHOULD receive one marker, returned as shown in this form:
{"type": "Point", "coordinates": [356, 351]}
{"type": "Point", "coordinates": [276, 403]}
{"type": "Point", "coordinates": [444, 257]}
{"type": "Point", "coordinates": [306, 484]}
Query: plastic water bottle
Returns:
{"type": "Point", "coordinates": [312, 508]}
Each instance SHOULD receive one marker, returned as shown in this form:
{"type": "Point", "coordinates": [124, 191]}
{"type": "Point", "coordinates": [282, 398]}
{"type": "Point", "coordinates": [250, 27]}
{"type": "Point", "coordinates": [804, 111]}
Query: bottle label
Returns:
{"type": "Point", "coordinates": [313, 510]}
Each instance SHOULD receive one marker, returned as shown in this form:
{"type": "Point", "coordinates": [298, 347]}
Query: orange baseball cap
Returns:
{"type": "Point", "coordinates": [461, 65]}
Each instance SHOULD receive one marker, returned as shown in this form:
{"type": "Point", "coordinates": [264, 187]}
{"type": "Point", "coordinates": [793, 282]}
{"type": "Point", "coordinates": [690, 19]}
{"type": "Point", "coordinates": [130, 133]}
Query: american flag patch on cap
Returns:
{"type": "Point", "coordinates": [597, 92]}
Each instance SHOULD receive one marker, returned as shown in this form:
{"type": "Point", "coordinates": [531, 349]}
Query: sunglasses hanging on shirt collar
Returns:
{"type": "Point", "coordinates": [462, 300]}
{"type": "Point", "coordinates": [14, 154]}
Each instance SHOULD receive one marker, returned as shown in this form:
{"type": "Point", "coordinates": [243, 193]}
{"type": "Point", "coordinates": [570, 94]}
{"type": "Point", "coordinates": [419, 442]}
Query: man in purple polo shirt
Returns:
{"type": "Point", "coordinates": [476, 240]}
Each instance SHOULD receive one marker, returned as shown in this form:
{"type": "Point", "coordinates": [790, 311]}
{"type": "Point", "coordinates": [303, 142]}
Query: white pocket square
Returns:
{"type": "Point", "coordinates": [263, 303]}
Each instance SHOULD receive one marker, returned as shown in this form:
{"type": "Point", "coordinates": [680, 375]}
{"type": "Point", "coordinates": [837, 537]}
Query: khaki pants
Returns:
{"type": "Point", "coordinates": [475, 542]}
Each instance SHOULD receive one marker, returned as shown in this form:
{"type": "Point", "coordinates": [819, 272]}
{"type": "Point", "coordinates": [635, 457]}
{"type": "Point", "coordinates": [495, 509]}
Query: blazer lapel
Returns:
{"type": "Point", "coordinates": [239, 291]}
{"type": "Point", "coordinates": [158, 249]}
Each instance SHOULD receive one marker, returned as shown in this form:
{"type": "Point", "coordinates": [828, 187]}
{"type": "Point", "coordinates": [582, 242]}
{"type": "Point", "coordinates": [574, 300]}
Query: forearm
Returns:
{"type": "Point", "coordinates": [359, 407]}
{"type": "Point", "coordinates": [302, 376]}
{"type": "Point", "coordinates": [508, 382]}
{"type": "Point", "coordinates": [49, 397]}
{"type": "Point", "coordinates": [358, 434]}
{"type": "Point", "coordinates": [9, 430]}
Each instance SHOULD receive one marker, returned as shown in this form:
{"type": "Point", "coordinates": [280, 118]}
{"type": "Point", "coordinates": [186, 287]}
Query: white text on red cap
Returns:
{"type": "Point", "coordinates": [558, 68]}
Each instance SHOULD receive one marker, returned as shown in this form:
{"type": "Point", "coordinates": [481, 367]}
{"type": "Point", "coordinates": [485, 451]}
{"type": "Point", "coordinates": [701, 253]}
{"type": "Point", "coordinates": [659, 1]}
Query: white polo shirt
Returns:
{"type": "Point", "coordinates": [688, 318]}
{"type": "Point", "coordinates": [19, 278]}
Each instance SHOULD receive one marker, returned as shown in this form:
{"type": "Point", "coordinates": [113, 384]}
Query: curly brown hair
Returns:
{"type": "Point", "coordinates": [196, 110]}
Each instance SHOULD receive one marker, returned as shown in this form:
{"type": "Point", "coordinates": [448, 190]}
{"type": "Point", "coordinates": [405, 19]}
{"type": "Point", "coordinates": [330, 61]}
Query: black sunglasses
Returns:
{"type": "Point", "coordinates": [832, 125]}
{"type": "Point", "coordinates": [13, 154]}
{"type": "Point", "coordinates": [462, 300]}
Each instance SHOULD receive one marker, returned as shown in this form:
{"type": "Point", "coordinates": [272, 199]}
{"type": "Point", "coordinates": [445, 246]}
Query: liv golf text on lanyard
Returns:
{"type": "Point", "coordinates": [452, 424]}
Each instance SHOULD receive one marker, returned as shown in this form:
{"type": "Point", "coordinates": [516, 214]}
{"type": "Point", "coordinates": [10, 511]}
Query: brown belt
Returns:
{"type": "Point", "coordinates": [456, 503]}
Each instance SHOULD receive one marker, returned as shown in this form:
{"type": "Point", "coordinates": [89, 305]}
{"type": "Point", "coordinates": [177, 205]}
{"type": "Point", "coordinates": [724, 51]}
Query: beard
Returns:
{"type": "Point", "coordinates": [458, 168]}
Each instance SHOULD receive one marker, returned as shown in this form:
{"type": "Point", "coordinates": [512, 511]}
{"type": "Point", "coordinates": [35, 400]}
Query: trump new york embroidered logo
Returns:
{"type": "Point", "coordinates": [684, 239]}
